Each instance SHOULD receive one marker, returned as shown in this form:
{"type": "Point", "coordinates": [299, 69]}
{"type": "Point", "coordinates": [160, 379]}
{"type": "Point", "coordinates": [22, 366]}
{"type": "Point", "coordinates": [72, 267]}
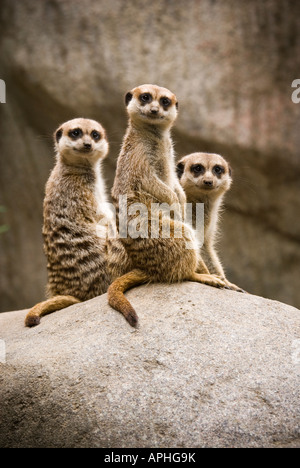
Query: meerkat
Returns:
{"type": "Point", "coordinates": [205, 178]}
{"type": "Point", "coordinates": [76, 220]}
{"type": "Point", "coordinates": [146, 174]}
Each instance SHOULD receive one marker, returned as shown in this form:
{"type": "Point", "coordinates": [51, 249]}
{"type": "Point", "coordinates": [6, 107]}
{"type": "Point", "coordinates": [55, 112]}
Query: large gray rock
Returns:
{"type": "Point", "coordinates": [231, 65]}
{"type": "Point", "coordinates": [205, 368]}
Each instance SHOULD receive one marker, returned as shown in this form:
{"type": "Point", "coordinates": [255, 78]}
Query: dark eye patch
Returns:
{"type": "Point", "coordinates": [197, 169]}
{"type": "Point", "coordinates": [128, 98]}
{"type": "Point", "coordinates": [76, 133]}
{"type": "Point", "coordinates": [218, 170]}
{"type": "Point", "coordinates": [165, 102]}
{"type": "Point", "coordinates": [95, 135]}
{"type": "Point", "coordinates": [145, 98]}
{"type": "Point", "coordinates": [180, 170]}
{"type": "Point", "coordinates": [58, 135]}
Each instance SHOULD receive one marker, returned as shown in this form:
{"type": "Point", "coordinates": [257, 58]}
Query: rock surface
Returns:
{"type": "Point", "coordinates": [205, 368]}
{"type": "Point", "coordinates": [231, 65]}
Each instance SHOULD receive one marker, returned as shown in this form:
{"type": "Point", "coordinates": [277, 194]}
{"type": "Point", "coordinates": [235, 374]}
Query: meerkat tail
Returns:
{"type": "Point", "coordinates": [33, 317]}
{"type": "Point", "coordinates": [116, 298]}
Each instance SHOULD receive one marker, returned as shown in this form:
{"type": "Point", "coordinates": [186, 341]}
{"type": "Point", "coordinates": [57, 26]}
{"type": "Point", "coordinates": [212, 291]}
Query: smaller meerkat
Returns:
{"type": "Point", "coordinates": [205, 178]}
{"type": "Point", "coordinates": [76, 220]}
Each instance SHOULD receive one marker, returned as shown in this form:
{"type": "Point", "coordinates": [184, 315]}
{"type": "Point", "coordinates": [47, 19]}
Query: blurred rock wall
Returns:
{"type": "Point", "coordinates": [231, 65]}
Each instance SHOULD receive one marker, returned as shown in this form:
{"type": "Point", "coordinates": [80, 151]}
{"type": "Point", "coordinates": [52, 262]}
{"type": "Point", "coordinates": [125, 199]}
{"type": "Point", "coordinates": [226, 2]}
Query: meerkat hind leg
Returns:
{"type": "Point", "coordinates": [210, 280]}
{"type": "Point", "coordinates": [233, 286]}
{"type": "Point", "coordinates": [202, 269]}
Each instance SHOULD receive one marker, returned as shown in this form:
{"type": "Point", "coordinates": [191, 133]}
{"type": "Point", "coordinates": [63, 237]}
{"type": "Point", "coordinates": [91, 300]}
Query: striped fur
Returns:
{"type": "Point", "coordinates": [74, 206]}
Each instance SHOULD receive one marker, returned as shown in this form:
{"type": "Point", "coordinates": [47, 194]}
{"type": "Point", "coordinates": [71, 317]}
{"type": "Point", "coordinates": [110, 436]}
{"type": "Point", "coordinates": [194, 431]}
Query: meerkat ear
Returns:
{"type": "Point", "coordinates": [180, 169]}
{"type": "Point", "coordinates": [128, 98]}
{"type": "Point", "coordinates": [177, 105]}
{"type": "Point", "coordinates": [58, 134]}
{"type": "Point", "coordinates": [230, 170]}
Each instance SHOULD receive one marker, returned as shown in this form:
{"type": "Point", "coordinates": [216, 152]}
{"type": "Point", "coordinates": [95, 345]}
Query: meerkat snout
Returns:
{"type": "Point", "coordinates": [208, 183]}
{"type": "Point", "coordinates": [87, 146]}
{"type": "Point", "coordinates": [154, 110]}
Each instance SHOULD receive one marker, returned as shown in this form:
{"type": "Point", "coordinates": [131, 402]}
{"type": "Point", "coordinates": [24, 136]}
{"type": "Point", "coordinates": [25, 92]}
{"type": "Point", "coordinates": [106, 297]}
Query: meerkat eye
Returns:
{"type": "Point", "coordinates": [145, 98]}
{"type": "Point", "coordinates": [197, 169]}
{"type": "Point", "coordinates": [218, 170]}
{"type": "Point", "coordinates": [95, 135]}
{"type": "Point", "coordinates": [76, 133]}
{"type": "Point", "coordinates": [165, 102]}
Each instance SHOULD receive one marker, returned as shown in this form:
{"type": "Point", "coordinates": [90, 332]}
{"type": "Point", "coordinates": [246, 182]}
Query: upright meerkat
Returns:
{"type": "Point", "coordinates": [76, 219]}
{"type": "Point", "coordinates": [146, 174]}
{"type": "Point", "coordinates": [205, 178]}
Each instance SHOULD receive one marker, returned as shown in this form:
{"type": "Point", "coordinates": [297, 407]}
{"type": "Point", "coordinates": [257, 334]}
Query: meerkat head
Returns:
{"type": "Point", "coordinates": [151, 104]}
{"type": "Point", "coordinates": [204, 174]}
{"type": "Point", "coordinates": [81, 141]}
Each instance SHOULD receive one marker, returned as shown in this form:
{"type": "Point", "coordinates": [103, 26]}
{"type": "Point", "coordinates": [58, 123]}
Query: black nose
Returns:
{"type": "Point", "coordinates": [208, 183]}
{"type": "Point", "coordinates": [87, 145]}
{"type": "Point", "coordinates": [154, 111]}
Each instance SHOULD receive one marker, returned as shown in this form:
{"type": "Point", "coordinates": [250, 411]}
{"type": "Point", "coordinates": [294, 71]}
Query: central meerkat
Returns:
{"type": "Point", "coordinates": [146, 174]}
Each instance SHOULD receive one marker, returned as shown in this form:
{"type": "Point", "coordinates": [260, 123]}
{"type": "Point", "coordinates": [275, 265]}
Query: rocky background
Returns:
{"type": "Point", "coordinates": [231, 65]}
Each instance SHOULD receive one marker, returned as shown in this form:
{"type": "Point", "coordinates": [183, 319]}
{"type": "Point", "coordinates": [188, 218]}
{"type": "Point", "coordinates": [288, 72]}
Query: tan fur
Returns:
{"type": "Point", "coordinates": [199, 177]}
{"type": "Point", "coordinates": [146, 174]}
{"type": "Point", "coordinates": [75, 215]}
{"type": "Point", "coordinates": [46, 307]}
